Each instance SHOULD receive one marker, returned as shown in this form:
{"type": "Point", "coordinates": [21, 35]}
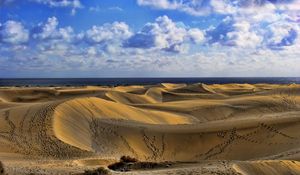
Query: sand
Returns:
{"type": "Point", "coordinates": [202, 129]}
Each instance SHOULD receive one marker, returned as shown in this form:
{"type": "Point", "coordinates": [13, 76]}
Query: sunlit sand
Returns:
{"type": "Point", "coordinates": [198, 128]}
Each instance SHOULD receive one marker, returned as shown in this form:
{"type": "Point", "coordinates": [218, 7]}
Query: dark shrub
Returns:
{"type": "Point", "coordinates": [127, 163]}
{"type": "Point", "coordinates": [98, 171]}
{"type": "Point", "coordinates": [147, 165]}
{"type": "Point", "coordinates": [128, 159]}
{"type": "Point", "coordinates": [2, 171]}
{"type": "Point", "coordinates": [119, 166]}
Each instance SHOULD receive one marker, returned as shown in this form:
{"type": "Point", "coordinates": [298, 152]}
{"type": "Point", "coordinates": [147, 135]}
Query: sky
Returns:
{"type": "Point", "coordinates": [149, 38]}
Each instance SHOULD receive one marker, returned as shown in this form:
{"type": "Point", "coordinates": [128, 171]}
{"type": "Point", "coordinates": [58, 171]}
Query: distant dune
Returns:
{"type": "Point", "coordinates": [201, 129]}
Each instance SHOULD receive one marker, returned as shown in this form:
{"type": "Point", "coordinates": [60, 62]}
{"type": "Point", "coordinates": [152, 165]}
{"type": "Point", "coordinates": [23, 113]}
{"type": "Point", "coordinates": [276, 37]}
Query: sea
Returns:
{"type": "Point", "coordinates": [141, 81]}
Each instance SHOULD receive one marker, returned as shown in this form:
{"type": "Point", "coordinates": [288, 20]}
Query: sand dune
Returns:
{"type": "Point", "coordinates": [268, 167]}
{"type": "Point", "coordinates": [128, 98]}
{"type": "Point", "coordinates": [204, 129]}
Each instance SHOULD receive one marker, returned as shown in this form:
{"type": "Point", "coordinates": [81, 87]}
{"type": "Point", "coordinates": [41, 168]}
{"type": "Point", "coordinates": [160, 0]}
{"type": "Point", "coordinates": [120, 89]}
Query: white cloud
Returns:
{"type": "Point", "coordinates": [164, 34]}
{"type": "Point", "coordinates": [243, 36]}
{"type": "Point", "coordinates": [235, 32]}
{"type": "Point", "coordinates": [50, 31]}
{"type": "Point", "coordinates": [61, 3]}
{"type": "Point", "coordinates": [196, 35]}
{"type": "Point", "coordinates": [115, 8]}
{"type": "Point", "coordinates": [251, 47]}
{"type": "Point", "coordinates": [195, 7]}
{"type": "Point", "coordinates": [222, 7]}
{"type": "Point", "coordinates": [13, 32]}
{"type": "Point", "coordinates": [164, 4]}
{"type": "Point", "coordinates": [250, 23]}
{"type": "Point", "coordinates": [47, 30]}
{"type": "Point", "coordinates": [53, 40]}
{"type": "Point", "coordinates": [73, 4]}
{"type": "Point", "coordinates": [281, 33]}
{"type": "Point", "coordinates": [205, 7]}
{"type": "Point", "coordinates": [99, 9]}
{"type": "Point", "coordinates": [239, 31]}
{"type": "Point", "coordinates": [91, 51]}
{"type": "Point", "coordinates": [116, 31]}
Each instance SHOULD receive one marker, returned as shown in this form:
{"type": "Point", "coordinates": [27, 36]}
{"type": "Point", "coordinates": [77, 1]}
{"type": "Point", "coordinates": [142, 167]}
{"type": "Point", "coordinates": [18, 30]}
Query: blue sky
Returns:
{"type": "Point", "coordinates": [149, 38]}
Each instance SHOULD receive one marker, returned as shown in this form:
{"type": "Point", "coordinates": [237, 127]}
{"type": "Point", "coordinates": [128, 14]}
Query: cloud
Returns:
{"type": "Point", "coordinates": [95, 9]}
{"type": "Point", "coordinates": [50, 31]}
{"type": "Point", "coordinates": [206, 7]}
{"type": "Point", "coordinates": [231, 32]}
{"type": "Point", "coordinates": [243, 36]}
{"type": "Point", "coordinates": [196, 7]}
{"type": "Point", "coordinates": [73, 4]}
{"type": "Point", "coordinates": [47, 30]}
{"type": "Point", "coordinates": [164, 34]}
{"type": "Point", "coordinates": [235, 46]}
{"type": "Point", "coordinates": [244, 32]}
{"type": "Point", "coordinates": [52, 3]}
{"type": "Point", "coordinates": [91, 51]}
{"type": "Point", "coordinates": [60, 3]}
{"type": "Point", "coordinates": [99, 9]}
{"type": "Point", "coordinates": [196, 35]}
{"type": "Point", "coordinates": [115, 8]}
{"type": "Point", "coordinates": [116, 31]}
{"type": "Point", "coordinates": [49, 38]}
{"type": "Point", "coordinates": [13, 32]}
{"type": "Point", "coordinates": [281, 34]}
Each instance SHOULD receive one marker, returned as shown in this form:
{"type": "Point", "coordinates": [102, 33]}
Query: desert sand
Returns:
{"type": "Point", "coordinates": [240, 129]}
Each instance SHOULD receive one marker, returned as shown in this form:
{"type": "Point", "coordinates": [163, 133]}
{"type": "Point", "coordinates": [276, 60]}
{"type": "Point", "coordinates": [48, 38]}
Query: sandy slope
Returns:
{"type": "Point", "coordinates": [232, 128]}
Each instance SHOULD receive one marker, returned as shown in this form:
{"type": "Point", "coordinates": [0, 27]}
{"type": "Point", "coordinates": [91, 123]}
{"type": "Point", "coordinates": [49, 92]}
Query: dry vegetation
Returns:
{"type": "Point", "coordinates": [98, 171]}
{"type": "Point", "coordinates": [128, 163]}
{"type": "Point", "coordinates": [2, 170]}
